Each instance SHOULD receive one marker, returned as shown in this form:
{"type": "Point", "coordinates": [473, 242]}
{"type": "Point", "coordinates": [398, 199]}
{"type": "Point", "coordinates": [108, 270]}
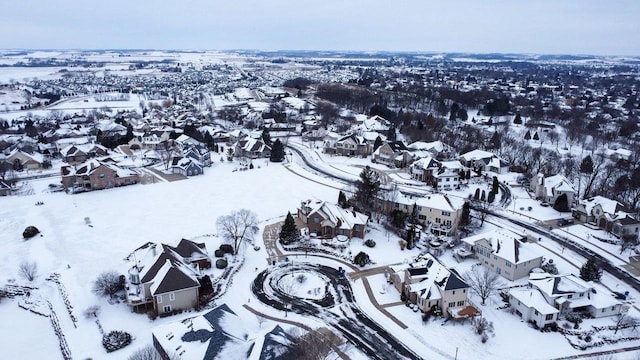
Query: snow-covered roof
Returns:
{"type": "Point", "coordinates": [431, 273]}
{"type": "Point", "coordinates": [337, 216]}
{"type": "Point", "coordinates": [436, 201]}
{"type": "Point", "coordinates": [532, 298]}
{"type": "Point", "coordinates": [506, 244]}
{"type": "Point", "coordinates": [433, 147]}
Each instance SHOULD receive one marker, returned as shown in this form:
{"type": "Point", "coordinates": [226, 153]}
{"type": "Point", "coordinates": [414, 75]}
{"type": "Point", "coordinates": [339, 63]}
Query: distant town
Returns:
{"type": "Point", "coordinates": [319, 205]}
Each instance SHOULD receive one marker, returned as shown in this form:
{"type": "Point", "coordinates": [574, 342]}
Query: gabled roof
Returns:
{"type": "Point", "coordinates": [433, 273]}
{"type": "Point", "coordinates": [172, 277]}
{"type": "Point", "coordinates": [506, 244]}
{"type": "Point", "coordinates": [335, 215]}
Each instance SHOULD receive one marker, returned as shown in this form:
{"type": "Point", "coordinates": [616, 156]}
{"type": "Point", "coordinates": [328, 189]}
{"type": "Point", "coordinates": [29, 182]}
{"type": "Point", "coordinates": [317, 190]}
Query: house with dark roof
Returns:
{"type": "Point", "coordinates": [186, 166]}
{"type": "Point", "coordinates": [220, 334]}
{"type": "Point", "coordinates": [432, 286]}
{"type": "Point", "coordinates": [77, 154]}
{"type": "Point", "coordinates": [505, 252]}
{"type": "Point", "coordinates": [349, 145]}
{"type": "Point", "coordinates": [484, 161]}
{"type": "Point", "coordinates": [165, 278]}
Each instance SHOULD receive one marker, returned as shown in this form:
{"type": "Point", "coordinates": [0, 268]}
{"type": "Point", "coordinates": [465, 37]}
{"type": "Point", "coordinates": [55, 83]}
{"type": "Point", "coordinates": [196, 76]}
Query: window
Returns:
{"type": "Point", "coordinates": [172, 296]}
{"type": "Point", "coordinates": [453, 292]}
{"type": "Point", "coordinates": [166, 308]}
{"type": "Point", "coordinates": [101, 175]}
{"type": "Point", "coordinates": [422, 217]}
{"type": "Point", "coordinates": [316, 220]}
{"type": "Point", "coordinates": [461, 303]}
{"type": "Point", "coordinates": [570, 296]}
{"type": "Point", "coordinates": [508, 264]}
{"type": "Point", "coordinates": [536, 312]}
{"type": "Point", "coordinates": [437, 220]}
{"type": "Point", "coordinates": [446, 213]}
{"type": "Point", "coordinates": [613, 308]}
{"type": "Point", "coordinates": [356, 227]}
{"type": "Point", "coordinates": [159, 299]}
{"type": "Point", "coordinates": [452, 304]}
{"type": "Point", "coordinates": [549, 317]}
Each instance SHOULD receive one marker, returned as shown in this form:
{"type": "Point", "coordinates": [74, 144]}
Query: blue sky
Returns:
{"type": "Point", "coordinates": [533, 26]}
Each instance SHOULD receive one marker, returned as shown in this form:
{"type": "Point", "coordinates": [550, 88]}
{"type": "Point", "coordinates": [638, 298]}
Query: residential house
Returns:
{"type": "Point", "coordinates": [198, 153]}
{"type": "Point", "coordinates": [329, 220]}
{"type": "Point", "coordinates": [186, 166]}
{"type": "Point", "coordinates": [505, 252]}
{"type": "Point", "coordinates": [216, 335]}
{"type": "Point", "coordinates": [548, 189]}
{"type": "Point", "coordinates": [392, 154]}
{"type": "Point", "coordinates": [422, 149]}
{"type": "Point", "coordinates": [96, 175]}
{"type": "Point", "coordinates": [439, 213]}
{"type": "Point", "coordinates": [484, 161]}
{"type": "Point", "coordinates": [424, 170]}
{"type": "Point", "coordinates": [551, 297]}
{"type": "Point", "coordinates": [252, 148]}
{"type": "Point", "coordinates": [350, 145]}
{"type": "Point", "coordinates": [449, 175]}
{"type": "Point", "coordinates": [433, 287]}
{"type": "Point", "coordinates": [24, 161]}
{"type": "Point", "coordinates": [609, 215]}
{"type": "Point", "coordinates": [76, 154]}
{"type": "Point", "coordinates": [165, 278]}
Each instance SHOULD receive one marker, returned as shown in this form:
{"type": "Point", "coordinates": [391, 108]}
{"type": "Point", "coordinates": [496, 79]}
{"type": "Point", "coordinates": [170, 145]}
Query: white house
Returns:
{"type": "Point", "coordinates": [485, 161]}
{"type": "Point", "coordinates": [504, 252]}
{"type": "Point", "coordinates": [550, 297]}
{"type": "Point", "coordinates": [550, 188]}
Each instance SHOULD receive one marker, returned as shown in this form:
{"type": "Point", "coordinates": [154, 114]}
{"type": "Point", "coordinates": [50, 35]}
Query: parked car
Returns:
{"type": "Point", "coordinates": [564, 222]}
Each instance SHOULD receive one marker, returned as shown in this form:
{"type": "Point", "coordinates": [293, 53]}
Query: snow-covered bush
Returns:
{"type": "Point", "coordinates": [116, 340]}
{"type": "Point", "coordinates": [30, 231]}
{"type": "Point", "coordinates": [221, 263]}
{"type": "Point", "coordinates": [370, 243]}
{"type": "Point", "coordinates": [28, 270]}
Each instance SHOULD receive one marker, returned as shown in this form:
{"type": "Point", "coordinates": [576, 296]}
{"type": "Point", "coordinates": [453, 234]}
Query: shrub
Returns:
{"type": "Point", "coordinates": [92, 311]}
{"type": "Point", "coordinates": [370, 243]}
{"type": "Point", "coordinates": [226, 248]}
{"type": "Point", "coordinates": [152, 314]}
{"type": "Point", "coordinates": [116, 340]}
{"type": "Point", "coordinates": [221, 263]}
{"type": "Point", "coordinates": [28, 270]}
{"type": "Point", "coordinates": [218, 253]}
{"type": "Point", "coordinates": [30, 231]}
{"type": "Point", "coordinates": [361, 259]}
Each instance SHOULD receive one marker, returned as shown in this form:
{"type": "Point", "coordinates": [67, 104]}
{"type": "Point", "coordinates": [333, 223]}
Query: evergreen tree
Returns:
{"type": "Point", "coordinates": [517, 119]}
{"type": "Point", "coordinates": [495, 185]}
{"type": "Point", "coordinates": [277, 151]}
{"type": "Point", "coordinates": [476, 196]}
{"type": "Point", "coordinates": [129, 135]}
{"type": "Point", "coordinates": [361, 259]}
{"type": "Point", "coordinates": [266, 137]}
{"type": "Point", "coordinates": [495, 141]}
{"type": "Point", "coordinates": [377, 143]}
{"type": "Point", "coordinates": [562, 203]}
{"type": "Point", "coordinates": [586, 166]}
{"type": "Point", "coordinates": [535, 136]}
{"type": "Point", "coordinates": [367, 188]}
{"type": "Point", "coordinates": [342, 200]}
{"type": "Point", "coordinates": [483, 196]}
{"type": "Point", "coordinates": [491, 197]}
{"type": "Point", "coordinates": [289, 231]}
{"type": "Point", "coordinates": [591, 271]}
{"type": "Point", "coordinates": [465, 217]}
{"type": "Point", "coordinates": [462, 114]}
{"type": "Point", "coordinates": [527, 135]}
{"type": "Point", "coordinates": [453, 113]}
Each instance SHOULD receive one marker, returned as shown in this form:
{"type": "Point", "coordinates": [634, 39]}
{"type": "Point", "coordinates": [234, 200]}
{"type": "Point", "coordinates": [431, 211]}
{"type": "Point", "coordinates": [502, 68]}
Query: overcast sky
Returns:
{"type": "Point", "coordinates": [597, 27]}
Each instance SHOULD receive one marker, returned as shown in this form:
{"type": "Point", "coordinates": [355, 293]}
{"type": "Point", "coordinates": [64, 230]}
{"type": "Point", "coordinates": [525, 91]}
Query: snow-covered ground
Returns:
{"type": "Point", "coordinates": [124, 218]}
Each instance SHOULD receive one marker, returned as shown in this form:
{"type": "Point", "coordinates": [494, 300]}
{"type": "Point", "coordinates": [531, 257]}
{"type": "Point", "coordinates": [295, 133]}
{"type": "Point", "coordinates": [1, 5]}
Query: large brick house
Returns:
{"type": "Point", "coordinates": [329, 220]}
{"type": "Point", "coordinates": [96, 175]}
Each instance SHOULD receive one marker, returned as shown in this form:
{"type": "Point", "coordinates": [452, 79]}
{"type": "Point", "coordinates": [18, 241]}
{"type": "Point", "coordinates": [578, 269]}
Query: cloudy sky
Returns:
{"type": "Point", "coordinates": [596, 27]}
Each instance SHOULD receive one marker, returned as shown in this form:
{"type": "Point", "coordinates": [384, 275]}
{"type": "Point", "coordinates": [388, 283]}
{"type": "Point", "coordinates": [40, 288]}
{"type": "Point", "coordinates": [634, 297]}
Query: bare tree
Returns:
{"type": "Point", "coordinates": [482, 281]}
{"type": "Point", "coordinates": [482, 209]}
{"type": "Point", "coordinates": [166, 149]}
{"type": "Point", "coordinates": [318, 344]}
{"type": "Point", "coordinates": [92, 311]}
{"type": "Point", "coordinates": [623, 320]}
{"type": "Point", "coordinates": [238, 226]}
{"type": "Point", "coordinates": [107, 284]}
{"type": "Point", "coordinates": [28, 270]}
{"type": "Point", "coordinates": [150, 353]}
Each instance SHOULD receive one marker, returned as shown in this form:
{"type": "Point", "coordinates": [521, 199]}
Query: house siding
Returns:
{"type": "Point", "coordinates": [184, 300]}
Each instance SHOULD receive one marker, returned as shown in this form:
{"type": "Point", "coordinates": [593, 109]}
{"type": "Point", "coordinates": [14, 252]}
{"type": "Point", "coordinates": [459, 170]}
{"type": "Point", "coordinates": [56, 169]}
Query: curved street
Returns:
{"type": "Point", "coordinates": [336, 308]}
